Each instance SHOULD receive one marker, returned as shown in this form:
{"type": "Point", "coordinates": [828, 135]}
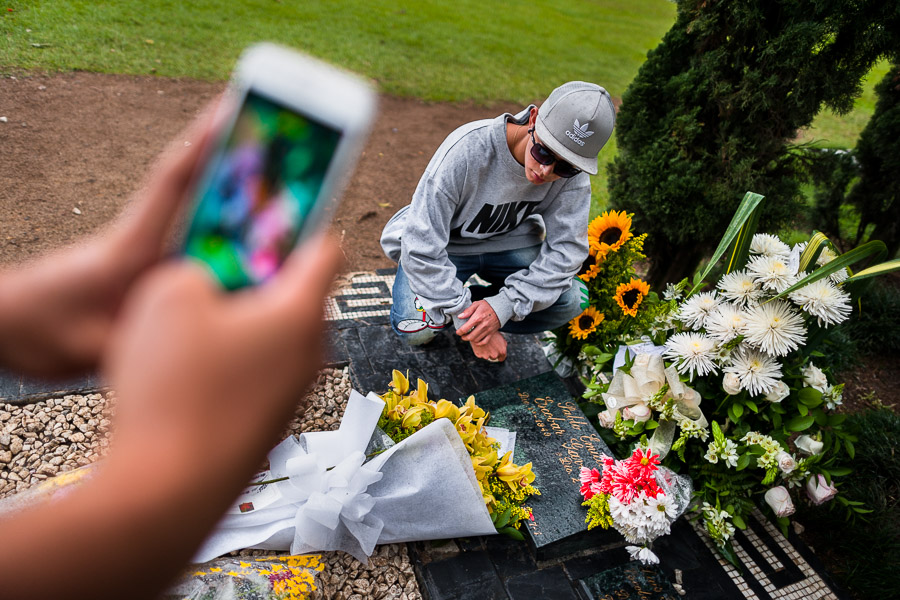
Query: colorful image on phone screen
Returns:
{"type": "Point", "coordinates": [258, 191]}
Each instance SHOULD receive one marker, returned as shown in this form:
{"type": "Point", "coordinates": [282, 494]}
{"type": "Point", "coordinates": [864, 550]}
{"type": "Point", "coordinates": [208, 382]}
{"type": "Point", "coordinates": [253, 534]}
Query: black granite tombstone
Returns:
{"type": "Point", "coordinates": [632, 581]}
{"type": "Point", "coordinates": [555, 436]}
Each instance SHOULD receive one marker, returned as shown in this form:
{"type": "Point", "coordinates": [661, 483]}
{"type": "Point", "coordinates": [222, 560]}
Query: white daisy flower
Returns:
{"type": "Point", "coordinates": [824, 301]}
{"type": "Point", "coordinates": [774, 327]}
{"type": "Point", "coordinates": [662, 508]}
{"type": "Point", "coordinates": [693, 352]}
{"type": "Point", "coordinates": [695, 309]}
{"type": "Point", "coordinates": [768, 245]}
{"type": "Point", "coordinates": [759, 373]}
{"type": "Point", "coordinates": [725, 323]}
{"type": "Point", "coordinates": [740, 288]}
{"type": "Point", "coordinates": [772, 272]}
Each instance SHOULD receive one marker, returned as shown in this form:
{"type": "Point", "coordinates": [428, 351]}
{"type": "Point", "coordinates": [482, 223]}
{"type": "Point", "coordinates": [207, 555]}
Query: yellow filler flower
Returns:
{"type": "Point", "coordinates": [630, 295]}
{"type": "Point", "coordinates": [608, 232]}
{"type": "Point", "coordinates": [586, 323]}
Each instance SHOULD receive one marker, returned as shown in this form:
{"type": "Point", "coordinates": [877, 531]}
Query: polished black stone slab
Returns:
{"type": "Point", "coordinates": [555, 436]}
{"type": "Point", "coordinates": [632, 581]}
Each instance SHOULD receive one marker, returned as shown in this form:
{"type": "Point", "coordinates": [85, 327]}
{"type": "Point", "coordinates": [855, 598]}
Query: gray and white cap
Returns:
{"type": "Point", "coordinates": [575, 122]}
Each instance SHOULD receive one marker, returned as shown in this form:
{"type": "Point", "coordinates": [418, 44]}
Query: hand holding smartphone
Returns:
{"type": "Point", "coordinates": [274, 172]}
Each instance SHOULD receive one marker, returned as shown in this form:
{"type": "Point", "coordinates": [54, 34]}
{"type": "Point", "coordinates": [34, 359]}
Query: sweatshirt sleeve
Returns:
{"type": "Point", "coordinates": [423, 254]}
{"type": "Point", "coordinates": [562, 254]}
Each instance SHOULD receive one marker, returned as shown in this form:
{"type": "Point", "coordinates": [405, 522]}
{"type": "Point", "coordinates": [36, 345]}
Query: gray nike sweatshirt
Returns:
{"type": "Point", "coordinates": [474, 198]}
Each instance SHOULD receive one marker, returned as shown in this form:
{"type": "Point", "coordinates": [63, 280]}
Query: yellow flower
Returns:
{"type": "Point", "coordinates": [399, 408]}
{"type": "Point", "coordinates": [473, 411]}
{"type": "Point", "coordinates": [591, 267]}
{"type": "Point", "coordinates": [608, 232]}
{"type": "Point", "coordinates": [513, 474]}
{"type": "Point", "coordinates": [629, 295]}
{"type": "Point", "coordinates": [399, 383]}
{"type": "Point", "coordinates": [421, 395]}
{"type": "Point", "coordinates": [412, 418]}
{"type": "Point", "coordinates": [467, 431]}
{"type": "Point", "coordinates": [585, 323]}
{"type": "Point", "coordinates": [446, 409]}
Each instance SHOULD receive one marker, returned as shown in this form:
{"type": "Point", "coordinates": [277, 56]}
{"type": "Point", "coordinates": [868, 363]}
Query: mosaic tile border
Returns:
{"type": "Point", "coordinates": [758, 547]}
{"type": "Point", "coordinates": [360, 295]}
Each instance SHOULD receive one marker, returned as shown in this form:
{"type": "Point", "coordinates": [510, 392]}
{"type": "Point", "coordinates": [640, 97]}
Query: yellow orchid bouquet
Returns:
{"type": "Point", "coordinates": [504, 485]}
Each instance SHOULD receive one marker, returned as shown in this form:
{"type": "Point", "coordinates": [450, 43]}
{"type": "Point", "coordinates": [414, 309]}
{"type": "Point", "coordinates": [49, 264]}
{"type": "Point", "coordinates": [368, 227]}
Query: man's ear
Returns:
{"type": "Point", "coordinates": [532, 116]}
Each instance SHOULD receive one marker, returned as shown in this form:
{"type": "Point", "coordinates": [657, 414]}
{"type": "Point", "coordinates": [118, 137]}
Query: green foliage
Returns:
{"type": "Point", "coordinates": [877, 193]}
{"type": "Point", "coordinates": [866, 551]}
{"type": "Point", "coordinates": [715, 107]}
{"type": "Point", "coordinates": [874, 327]}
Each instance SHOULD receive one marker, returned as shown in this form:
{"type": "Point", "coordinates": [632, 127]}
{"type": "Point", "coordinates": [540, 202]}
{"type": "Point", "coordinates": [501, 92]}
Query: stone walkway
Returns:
{"type": "Point", "coordinates": [492, 567]}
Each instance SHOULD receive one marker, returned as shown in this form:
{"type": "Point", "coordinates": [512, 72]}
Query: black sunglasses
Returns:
{"type": "Point", "coordinates": [540, 153]}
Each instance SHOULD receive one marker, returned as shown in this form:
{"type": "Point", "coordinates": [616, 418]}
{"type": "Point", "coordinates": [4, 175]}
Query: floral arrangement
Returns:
{"type": "Point", "coordinates": [730, 394]}
{"type": "Point", "coordinates": [636, 497]}
{"type": "Point", "coordinates": [505, 486]}
{"type": "Point", "coordinates": [618, 302]}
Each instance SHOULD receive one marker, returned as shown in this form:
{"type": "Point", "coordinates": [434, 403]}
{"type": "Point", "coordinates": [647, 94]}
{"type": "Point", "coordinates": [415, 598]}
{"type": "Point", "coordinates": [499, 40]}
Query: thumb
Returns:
{"type": "Point", "coordinates": [307, 276]}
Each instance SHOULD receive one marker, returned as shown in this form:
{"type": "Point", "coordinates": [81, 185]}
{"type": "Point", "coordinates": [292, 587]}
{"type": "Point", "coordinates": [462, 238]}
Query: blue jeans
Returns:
{"type": "Point", "coordinates": [409, 321]}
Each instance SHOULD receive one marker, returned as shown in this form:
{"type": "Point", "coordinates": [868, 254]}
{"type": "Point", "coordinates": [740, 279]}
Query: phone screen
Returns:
{"type": "Point", "coordinates": [259, 188]}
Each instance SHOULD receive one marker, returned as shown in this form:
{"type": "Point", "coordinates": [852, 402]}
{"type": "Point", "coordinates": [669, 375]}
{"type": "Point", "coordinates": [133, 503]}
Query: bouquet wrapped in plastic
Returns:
{"type": "Point", "coordinates": [636, 497]}
{"type": "Point", "coordinates": [354, 488]}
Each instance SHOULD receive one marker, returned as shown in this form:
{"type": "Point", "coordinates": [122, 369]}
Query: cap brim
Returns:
{"type": "Point", "coordinates": [588, 165]}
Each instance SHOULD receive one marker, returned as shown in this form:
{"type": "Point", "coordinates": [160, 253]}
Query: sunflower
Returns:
{"type": "Point", "coordinates": [629, 295]}
{"type": "Point", "coordinates": [608, 232]}
{"type": "Point", "coordinates": [585, 323]}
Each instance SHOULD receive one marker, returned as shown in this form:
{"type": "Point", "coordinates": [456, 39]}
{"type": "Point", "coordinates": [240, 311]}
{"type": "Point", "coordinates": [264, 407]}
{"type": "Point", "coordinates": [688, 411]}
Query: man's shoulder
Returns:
{"type": "Point", "coordinates": [470, 140]}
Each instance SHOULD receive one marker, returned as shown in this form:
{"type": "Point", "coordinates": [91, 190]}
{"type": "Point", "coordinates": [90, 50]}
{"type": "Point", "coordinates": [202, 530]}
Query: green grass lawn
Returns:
{"type": "Point", "coordinates": [460, 50]}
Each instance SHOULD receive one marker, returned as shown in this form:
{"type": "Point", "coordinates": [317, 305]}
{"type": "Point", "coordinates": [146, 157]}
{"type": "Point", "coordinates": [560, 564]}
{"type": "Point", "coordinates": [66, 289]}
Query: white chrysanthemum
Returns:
{"type": "Point", "coordinates": [740, 288]}
{"type": "Point", "coordinates": [774, 327]}
{"type": "Point", "coordinates": [662, 508]}
{"type": "Point", "coordinates": [769, 245]}
{"type": "Point", "coordinates": [693, 352]}
{"type": "Point", "coordinates": [725, 323]}
{"type": "Point", "coordinates": [772, 272]}
{"type": "Point", "coordinates": [695, 309]}
{"type": "Point", "coordinates": [824, 301]}
{"type": "Point", "coordinates": [759, 373]}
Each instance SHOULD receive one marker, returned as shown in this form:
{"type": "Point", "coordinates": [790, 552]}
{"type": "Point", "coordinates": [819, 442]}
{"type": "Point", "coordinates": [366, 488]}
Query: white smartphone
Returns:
{"type": "Point", "coordinates": [275, 171]}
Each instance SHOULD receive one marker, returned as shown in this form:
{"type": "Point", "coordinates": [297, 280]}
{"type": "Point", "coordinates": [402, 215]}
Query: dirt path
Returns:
{"type": "Point", "coordinates": [84, 140]}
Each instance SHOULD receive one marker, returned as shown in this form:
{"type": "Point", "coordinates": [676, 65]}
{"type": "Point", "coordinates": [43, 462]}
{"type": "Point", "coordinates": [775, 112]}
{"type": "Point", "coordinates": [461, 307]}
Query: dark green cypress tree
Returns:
{"type": "Point", "coordinates": [877, 193]}
{"type": "Point", "coordinates": [712, 112]}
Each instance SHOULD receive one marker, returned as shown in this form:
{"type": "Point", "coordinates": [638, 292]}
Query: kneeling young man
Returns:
{"type": "Point", "coordinates": [507, 199]}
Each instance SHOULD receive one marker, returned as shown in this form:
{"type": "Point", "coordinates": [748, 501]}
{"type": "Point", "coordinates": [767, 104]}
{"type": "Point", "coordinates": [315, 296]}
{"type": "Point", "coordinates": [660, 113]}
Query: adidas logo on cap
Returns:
{"type": "Point", "coordinates": [581, 132]}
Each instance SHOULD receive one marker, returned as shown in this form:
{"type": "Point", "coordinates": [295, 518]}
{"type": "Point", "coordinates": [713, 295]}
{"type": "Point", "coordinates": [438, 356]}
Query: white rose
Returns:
{"type": "Point", "coordinates": [809, 445]}
{"type": "Point", "coordinates": [780, 500]}
{"type": "Point", "coordinates": [638, 412]}
{"type": "Point", "coordinates": [818, 490]}
{"type": "Point", "coordinates": [814, 377]}
{"type": "Point", "coordinates": [786, 462]}
{"type": "Point", "coordinates": [607, 418]}
{"type": "Point", "coordinates": [731, 383]}
{"type": "Point", "coordinates": [779, 392]}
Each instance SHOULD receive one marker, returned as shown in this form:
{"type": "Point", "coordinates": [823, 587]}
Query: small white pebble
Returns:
{"type": "Point", "coordinates": [76, 210]}
{"type": "Point", "coordinates": [3, 119]}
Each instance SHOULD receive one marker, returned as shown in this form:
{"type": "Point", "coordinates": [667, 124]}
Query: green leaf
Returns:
{"type": "Point", "coordinates": [739, 522]}
{"type": "Point", "coordinates": [835, 420]}
{"type": "Point", "coordinates": [751, 405]}
{"type": "Point", "coordinates": [651, 424]}
{"type": "Point", "coordinates": [810, 397]}
{"type": "Point", "coordinates": [846, 259]}
{"type": "Point", "coordinates": [742, 244]}
{"type": "Point", "coordinates": [813, 249]}
{"type": "Point", "coordinates": [879, 269]}
{"type": "Point", "coordinates": [738, 410]}
{"type": "Point", "coordinates": [851, 451]}
{"type": "Point", "coordinates": [840, 471]}
{"type": "Point", "coordinates": [743, 462]}
{"type": "Point", "coordinates": [776, 420]}
{"type": "Point", "coordinates": [802, 409]}
{"type": "Point", "coordinates": [820, 417]}
{"type": "Point", "coordinates": [742, 214]}
{"type": "Point", "coordinates": [728, 553]}
{"type": "Point", "coordinates": [800, 423]}
{"type": "Point", "coordinates": [512, 532]}
{"type": "Point", "coordinates": [503, 519]}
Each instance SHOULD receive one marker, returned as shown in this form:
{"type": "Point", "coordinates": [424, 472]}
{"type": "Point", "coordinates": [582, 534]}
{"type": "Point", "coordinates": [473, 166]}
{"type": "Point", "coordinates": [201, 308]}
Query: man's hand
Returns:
{"type": "Point", "coordinates": [56, 314]}
{"type": "Point", "coordinates": [481, 323]}
{"type": "Point", "coordinates": [492, 349]}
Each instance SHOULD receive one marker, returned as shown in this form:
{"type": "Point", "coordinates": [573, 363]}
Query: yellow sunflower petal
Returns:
{"type": "Point", "coordinates": [630, 295]}
{"type": "Point", "coordinates": [608, 232]}
{"type": "Point", "coordinates": [585, 323]}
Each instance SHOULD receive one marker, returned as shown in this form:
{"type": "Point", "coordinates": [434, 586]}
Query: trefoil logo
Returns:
{"type": "Point", "coordinates": [581, 132]}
